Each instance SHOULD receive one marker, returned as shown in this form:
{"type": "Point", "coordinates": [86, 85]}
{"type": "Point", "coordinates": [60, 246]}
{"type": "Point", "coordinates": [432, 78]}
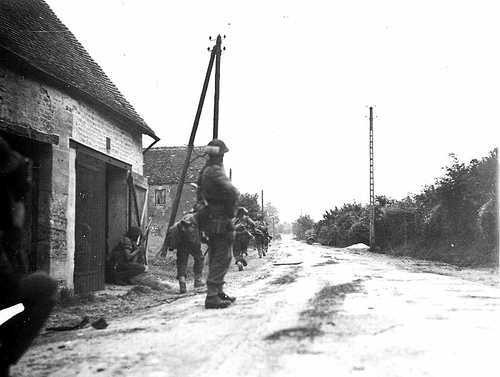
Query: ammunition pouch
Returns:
{"type": "Point", "coordinates": [213, 219]}
{"type": "Point", "coordinates": [219, 225]}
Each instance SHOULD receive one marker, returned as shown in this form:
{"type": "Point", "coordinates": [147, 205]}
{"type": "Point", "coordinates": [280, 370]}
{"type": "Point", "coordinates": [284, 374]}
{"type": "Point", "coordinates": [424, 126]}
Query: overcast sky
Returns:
{"type": "Point", "coordinates": [296, 82]}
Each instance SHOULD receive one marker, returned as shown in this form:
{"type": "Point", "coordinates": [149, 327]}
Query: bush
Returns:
{"type": "Point", "coordinates": [359, 233]}
{"type": "Point", "coordinates": [455, 220]}
{"type": "Point", "coordinates": [301, 225]}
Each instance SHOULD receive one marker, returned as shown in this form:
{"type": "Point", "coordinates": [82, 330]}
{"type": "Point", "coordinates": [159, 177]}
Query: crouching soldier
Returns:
{"type": "Point", "coordinates": [219, 197]}
{"type": "Point", "coordinates": [36, 292]}
{"type": "Point", "coordinates": [138, 244]}
{"type": "Point", "coordinates": [123, 263]}
{"type": "Point", "coordinates": [184, 236]}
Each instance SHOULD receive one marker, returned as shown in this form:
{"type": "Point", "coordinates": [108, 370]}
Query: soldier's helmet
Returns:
{"type": "Point", "coordinates": [217, 147]}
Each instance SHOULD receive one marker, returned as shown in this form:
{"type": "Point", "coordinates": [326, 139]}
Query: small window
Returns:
{"type": "Point", "coordinates": [160, 197]}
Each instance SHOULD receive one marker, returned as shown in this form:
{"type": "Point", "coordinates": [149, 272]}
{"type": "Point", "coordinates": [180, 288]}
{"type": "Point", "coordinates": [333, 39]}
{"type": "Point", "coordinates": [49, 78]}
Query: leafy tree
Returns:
{"type": "Point", "coordinates": [271, 211]}
{"type": "Point", "coordinates": [455, 219]}
{"type": "Point", "coordinates": [251, 203]}
{"type": "Point", "coordinates": [301, 225]}
{"type": "Point", "coordinates": [285, 228]}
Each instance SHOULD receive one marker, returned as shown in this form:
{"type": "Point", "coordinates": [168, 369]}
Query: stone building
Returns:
{"type": "Point", "coordinates": [84, 139]}
{"type": "Point", "coordinates": [163, 168]}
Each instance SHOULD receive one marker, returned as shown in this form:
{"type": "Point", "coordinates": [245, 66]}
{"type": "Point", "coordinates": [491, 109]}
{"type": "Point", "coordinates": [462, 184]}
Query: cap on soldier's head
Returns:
{"type": "Point", "coordinates": [217, 147]}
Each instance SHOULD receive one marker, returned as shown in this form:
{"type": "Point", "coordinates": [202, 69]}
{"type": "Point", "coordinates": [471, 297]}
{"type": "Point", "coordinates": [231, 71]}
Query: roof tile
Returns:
{"type": "Point", "coordinates": [163, 165]}
{"type": "Point", "coordinates": [30, 30]}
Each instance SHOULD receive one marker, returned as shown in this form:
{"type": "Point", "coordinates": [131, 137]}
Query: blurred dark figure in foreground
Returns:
{"type": "Point", "coordinates": [184, 236]}
{"type": "Point", "coordinates": [36, 292]}
{"type": "Point", "coordinates": [218, 199]}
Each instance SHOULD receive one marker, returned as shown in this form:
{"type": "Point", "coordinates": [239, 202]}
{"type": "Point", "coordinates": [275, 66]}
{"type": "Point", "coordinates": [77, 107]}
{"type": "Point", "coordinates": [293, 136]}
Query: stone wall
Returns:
{"type": "Point", "coordinates": [27, 103]}
{"type": "Point", "coordinates": [161, 213]}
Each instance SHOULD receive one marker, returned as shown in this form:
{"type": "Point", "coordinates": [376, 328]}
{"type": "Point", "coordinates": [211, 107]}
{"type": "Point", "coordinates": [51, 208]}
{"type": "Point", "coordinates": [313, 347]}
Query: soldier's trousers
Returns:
{"type": "Point", "coordinates": [219, 253]}
{"type": "Point", "coordinates": [126, 271]}
{"type": "Point", "coordinates": [240, 247]}
{"type": "Point", "coordinates": [182, 261]}
{"type": "Point", "coordinates": [37, 293]}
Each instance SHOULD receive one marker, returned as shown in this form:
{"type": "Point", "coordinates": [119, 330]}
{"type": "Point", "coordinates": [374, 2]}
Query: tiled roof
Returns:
{"type": "Point", "coordinates": [163, 165]}
{"type": "Point", "coordinates": [32, 32]}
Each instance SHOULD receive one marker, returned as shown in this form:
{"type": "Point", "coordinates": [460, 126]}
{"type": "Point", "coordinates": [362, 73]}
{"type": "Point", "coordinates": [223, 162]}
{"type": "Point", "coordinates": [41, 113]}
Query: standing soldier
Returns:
{"type": "Point", "coordinates": [219, 198]}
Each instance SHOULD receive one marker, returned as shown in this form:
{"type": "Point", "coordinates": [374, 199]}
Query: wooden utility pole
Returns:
{"type": "Point", "coordinates": [218, 50]}
{"type": "Point", "coordinates": [190, 145]}
{"type": "Point", "coordinates": [214, 56]}
{"type": "Point", "coordinates": [372, 186]}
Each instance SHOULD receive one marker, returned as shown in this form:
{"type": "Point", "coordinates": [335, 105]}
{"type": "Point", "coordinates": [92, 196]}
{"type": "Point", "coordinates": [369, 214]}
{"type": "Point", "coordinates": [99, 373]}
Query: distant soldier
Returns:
{"type": "Point", "coordinates": [184, 236]}
{"type": "Point", "coordinates": [262, 236]}
{"type": "Point", "coordinates": [219, 198]}
{"type": "Point", "coordinates": [267, 237]}
{"type": "Point", "coordinates": [36, 292]}
{"type": "Point", "coordinates": [244, 226]}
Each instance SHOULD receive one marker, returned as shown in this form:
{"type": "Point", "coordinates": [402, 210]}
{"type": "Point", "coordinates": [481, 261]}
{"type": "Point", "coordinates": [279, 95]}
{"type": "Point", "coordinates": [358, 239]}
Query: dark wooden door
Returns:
{"type": "Point", "coordinates": [90, 229]}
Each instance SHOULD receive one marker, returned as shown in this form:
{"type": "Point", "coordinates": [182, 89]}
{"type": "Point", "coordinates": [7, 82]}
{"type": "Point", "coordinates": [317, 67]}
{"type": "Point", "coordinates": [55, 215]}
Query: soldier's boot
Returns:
{"type": "Point", "coordinates": [198, 283]}
{"type": "Point", "coordinates": [215, 302]}
{"type": "Point", "coordinates": [225, 297]}
{"type": "Point", "coordinates": [182, 284]}
{"type": "Point", "coordinates": [240, 265]}
{"type": "Point", "coordinates": [244, 262]}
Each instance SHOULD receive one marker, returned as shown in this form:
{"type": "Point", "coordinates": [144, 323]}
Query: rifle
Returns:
{"type": "Point", "coordinates": [142, 239]}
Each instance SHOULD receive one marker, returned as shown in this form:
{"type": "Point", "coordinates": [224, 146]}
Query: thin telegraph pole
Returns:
{"type": "Point", "coordinates": [372, 186]}
{"type": "Point", "coordinates": [190, 145]}
{"type": "Point", "coordinates": [218, 50]}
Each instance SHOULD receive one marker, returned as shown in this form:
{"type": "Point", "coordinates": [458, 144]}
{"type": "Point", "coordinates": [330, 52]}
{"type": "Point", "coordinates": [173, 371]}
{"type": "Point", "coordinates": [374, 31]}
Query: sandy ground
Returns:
{"type": "Point", "coordinates": [303, 309]}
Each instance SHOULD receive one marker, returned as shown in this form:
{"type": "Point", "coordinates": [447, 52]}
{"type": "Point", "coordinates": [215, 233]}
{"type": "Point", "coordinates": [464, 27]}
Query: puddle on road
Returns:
{"type": "Point", "coordinates": [481, 297]}
{"type": "Point", "coordinates": [325, 263]}
{"type": "Point", "coordinates": [299, 333]}
{"type": "Point", "coordinates": [329, 299]}
{"type": "Point", "coordinates": [287, 278]}
{"type": "Point", "coordinates": [322, 307]}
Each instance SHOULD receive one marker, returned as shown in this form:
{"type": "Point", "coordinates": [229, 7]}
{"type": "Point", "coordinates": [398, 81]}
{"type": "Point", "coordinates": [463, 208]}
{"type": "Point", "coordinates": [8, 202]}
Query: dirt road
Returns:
{"type": "Point", "coordinates": [337, 313]}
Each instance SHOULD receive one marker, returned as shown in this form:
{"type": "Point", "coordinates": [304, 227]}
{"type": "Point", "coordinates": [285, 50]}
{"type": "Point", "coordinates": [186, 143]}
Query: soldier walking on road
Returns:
{"type": "Point", "coordinates": [262, 237]}
{"type": "Point", "coordinates": [184, 236]}
{"type": "Point", "coordinates": [244, 226]}
{"type": "Point", "coordinates": [219, 197]}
